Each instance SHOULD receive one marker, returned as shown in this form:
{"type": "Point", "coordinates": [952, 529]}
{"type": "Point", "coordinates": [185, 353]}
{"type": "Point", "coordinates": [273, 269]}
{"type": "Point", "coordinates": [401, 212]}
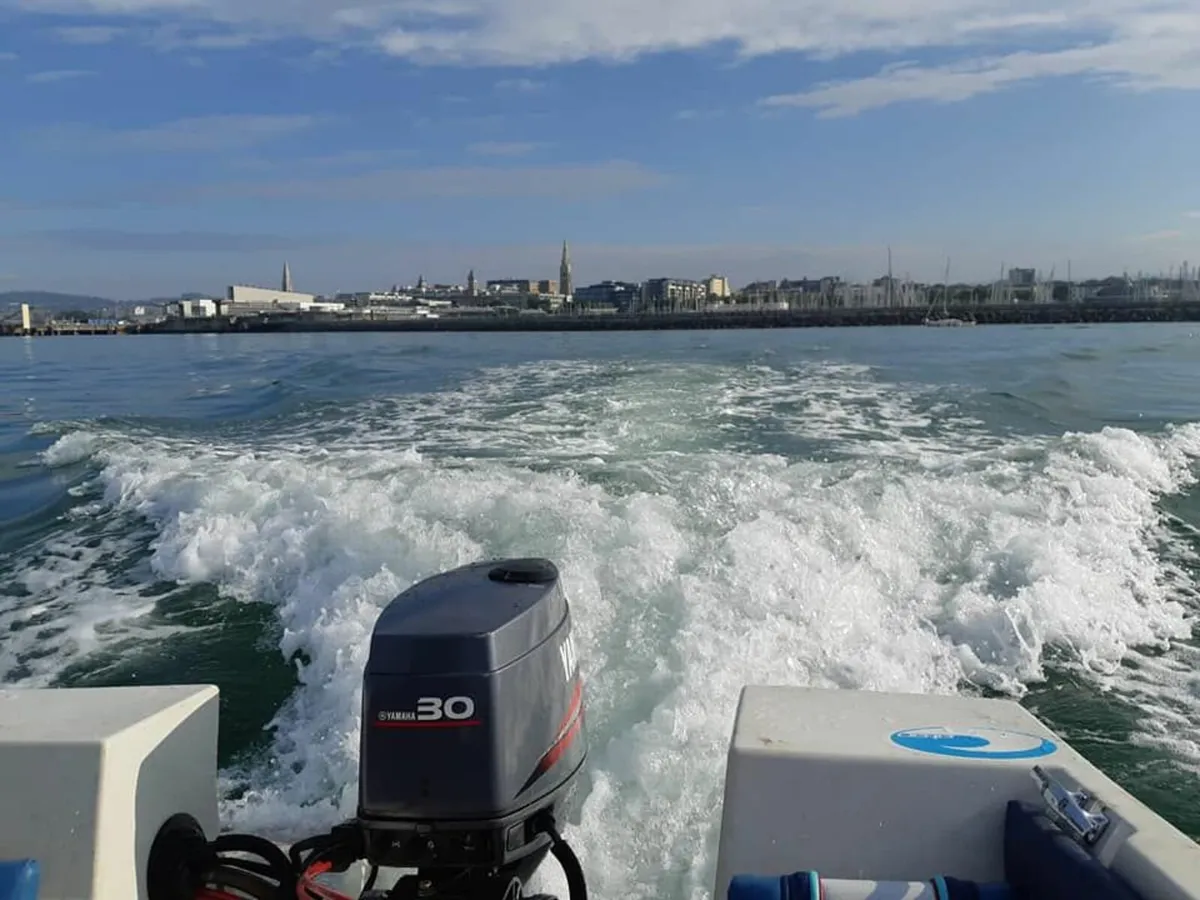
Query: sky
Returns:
{"type": "Point", "coordinates": [153, 147]}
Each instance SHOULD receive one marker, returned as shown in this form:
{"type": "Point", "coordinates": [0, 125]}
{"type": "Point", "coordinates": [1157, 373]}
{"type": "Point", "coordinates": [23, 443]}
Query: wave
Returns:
{"type": "Point", "coordinates": [715, 525]}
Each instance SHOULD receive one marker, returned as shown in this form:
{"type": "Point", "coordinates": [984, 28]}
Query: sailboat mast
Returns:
{"type": "Point", "coordinates": [889, 286]}
{"type": "Point", "coordinates": [946, 291]}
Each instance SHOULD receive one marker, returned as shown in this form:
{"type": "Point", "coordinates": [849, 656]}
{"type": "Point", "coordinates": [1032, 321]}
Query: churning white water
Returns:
{"type": "Point", "coordinates": [715, 525]}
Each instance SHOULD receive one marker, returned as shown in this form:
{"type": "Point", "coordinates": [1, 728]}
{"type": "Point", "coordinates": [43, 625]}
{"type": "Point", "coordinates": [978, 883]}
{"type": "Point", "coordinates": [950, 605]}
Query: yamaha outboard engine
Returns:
{"type": "Point", "coordinates": [472, 742]}
{"type": "Point", "coordinates": [472, 729]}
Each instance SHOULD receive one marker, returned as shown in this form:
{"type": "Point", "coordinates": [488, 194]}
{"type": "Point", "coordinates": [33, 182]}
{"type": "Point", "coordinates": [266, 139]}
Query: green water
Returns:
{"type": "Point", "coordinates": [1008, 511]}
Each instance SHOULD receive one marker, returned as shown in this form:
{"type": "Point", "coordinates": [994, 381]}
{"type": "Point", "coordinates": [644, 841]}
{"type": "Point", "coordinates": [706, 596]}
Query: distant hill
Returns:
{"type": "Point", "coordinates": [50, 301]}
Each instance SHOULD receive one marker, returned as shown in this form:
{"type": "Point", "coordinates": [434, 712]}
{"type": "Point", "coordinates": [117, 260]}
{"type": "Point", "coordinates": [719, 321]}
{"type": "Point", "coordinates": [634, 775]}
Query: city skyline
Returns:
{"type": "Point", "coordinates": [256, 276]}
{"type": "Point", "coordinates": [162, 147]}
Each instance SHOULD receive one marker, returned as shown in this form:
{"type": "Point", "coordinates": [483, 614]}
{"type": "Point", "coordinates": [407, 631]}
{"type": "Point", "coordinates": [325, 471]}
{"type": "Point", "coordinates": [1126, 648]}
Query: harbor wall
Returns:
{"type": "Point", "coordinates": [1047, 314]}
{"type": "Point", "coordinates": [1016, 314]}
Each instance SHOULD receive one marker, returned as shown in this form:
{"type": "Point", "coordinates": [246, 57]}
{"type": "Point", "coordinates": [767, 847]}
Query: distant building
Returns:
{"type": "Point", "coordinates": [286, 282]}
{"type": "Point", "coordinates": [717, 287]}
{"type": "Point", "coordinates": [621, 295]}
{"type": "Point", "coordinates": [565, 286]}
{"type": "Point", "coordinates": [200, 308]}
{"type": "Point", "coordinates": [673, 294]}
{"type": "Point", "coordinates": [1022, 277]}
{"type": "Point", "coordinates": [512, 286]}
{"type": "Point", "coordinates": [243, 299]}
{"type": "Point", "coordinates": [806, 293]}
{"type": "Point", "coordinates": [759, 292]}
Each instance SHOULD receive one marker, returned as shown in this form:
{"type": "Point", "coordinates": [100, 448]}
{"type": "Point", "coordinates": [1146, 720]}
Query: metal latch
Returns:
{"type": "Point", "coordinates": [1077, 812]}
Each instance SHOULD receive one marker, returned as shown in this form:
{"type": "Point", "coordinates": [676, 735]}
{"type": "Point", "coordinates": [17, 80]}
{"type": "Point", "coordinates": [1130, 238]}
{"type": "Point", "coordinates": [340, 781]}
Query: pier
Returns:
{"type": "Point", "coordinates": [1099, 311]}
{"type": "Point", "coordinates": [58, 329]}
{"type": "Point", "coordinates": [1015, 314]}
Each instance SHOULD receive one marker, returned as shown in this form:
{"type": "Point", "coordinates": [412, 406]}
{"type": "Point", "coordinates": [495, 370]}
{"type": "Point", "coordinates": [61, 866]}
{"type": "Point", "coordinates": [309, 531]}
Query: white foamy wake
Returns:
{"type": "Point", "coordinates": [715, 526]}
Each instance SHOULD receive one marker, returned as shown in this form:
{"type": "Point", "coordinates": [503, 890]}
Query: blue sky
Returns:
{"type": "Point", "coordinates": [158, 146]}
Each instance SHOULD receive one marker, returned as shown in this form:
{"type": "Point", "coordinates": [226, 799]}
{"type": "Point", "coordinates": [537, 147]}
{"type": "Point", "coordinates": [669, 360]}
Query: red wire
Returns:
{"type": "Point", "coordinates": [308, 887]}
{"type": "Point", "coordinates": [216, 894]}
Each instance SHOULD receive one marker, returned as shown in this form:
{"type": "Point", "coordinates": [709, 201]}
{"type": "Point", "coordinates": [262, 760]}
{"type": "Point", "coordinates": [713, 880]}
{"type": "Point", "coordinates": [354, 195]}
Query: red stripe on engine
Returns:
{"type": "Point", "coordinates": [568, 730]}
{"type": "Point", "coordinates": [554, 754]}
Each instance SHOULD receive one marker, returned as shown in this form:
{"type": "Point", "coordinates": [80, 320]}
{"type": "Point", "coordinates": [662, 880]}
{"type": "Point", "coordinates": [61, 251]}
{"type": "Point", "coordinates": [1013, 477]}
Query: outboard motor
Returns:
{"type": "Point", "coordinates": [472, 743]}
{"type": "Point", "coordinates": [472, 728]}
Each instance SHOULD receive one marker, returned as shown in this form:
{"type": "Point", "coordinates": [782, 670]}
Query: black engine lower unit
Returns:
{"type": "Point", "coordinates": [492, 844]}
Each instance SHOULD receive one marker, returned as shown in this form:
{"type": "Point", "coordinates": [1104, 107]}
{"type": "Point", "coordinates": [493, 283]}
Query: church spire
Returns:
{"type": "Point", "coordinates": [564, 273]}
{"type": "Point", "coordinates": [286, 285]}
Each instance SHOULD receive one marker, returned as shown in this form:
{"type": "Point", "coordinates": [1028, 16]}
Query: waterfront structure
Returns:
{"type": "Point", "coordinates": [1014, 294]}
{"type": "Point", "coordinates": [623, 296]}
{"type": "Point", "coordinates": [509, 286]}
{"type": "Point", "coordinates": [717, 287]}
{"type": "Point", "coordinates": [803, 293]}
{"type": "Point", "coordinates": [1124, 298]}
{"type": "Point", "coordinates": [241, 299]}
{"type": "Point", "coordinates": [194, 308]}
{"type": "Point", "coordinates": [1022, 278]}
{"type": "Point", "coordinates": [673, 295]}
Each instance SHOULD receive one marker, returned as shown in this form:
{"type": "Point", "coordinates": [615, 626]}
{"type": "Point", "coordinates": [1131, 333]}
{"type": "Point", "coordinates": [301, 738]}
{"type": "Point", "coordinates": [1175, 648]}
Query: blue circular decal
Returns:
{"type": "Point", "coordinates": [974, 743]}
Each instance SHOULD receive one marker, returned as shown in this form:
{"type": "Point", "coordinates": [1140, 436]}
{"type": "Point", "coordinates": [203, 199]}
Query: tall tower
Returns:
{"type": "Point", "coordinates": [286, 286]}
{"type": "Point", "coordinates": [564, 273]}
{"type": "Point", "coordinates": [472, 287]}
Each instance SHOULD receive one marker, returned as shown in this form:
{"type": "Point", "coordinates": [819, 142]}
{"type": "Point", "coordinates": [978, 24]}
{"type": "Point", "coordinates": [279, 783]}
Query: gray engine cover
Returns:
{"type": "Point", "coordinates": [472, 699]}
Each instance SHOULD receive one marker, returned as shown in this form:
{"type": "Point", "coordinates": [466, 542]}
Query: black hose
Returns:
{"type": "Point", "coordinates": [576, 883]}
{"type": "Point", "coordinates": [246, 882]}
{"type": "Point", "coordinates": [249, 865]}
{"type": "Point", "coordinates": [275, 866]}
{"type": "Point", "coordinates": [181, 860]}
{"type": "Point", "coordinates": [570, 865]}
{"type": "Point", "coordinates": [257, 846]}
{"type": "Point", "coordinates": [297, 850]}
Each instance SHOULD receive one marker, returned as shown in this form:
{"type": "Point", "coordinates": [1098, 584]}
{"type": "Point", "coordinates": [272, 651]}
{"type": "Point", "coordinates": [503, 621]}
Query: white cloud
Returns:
{"type": "Point", "coordinates": [1140, 44]}
{"type": "Point", "coordinates": [8, 57]}
{"type": "Point", "coordinates": [1148, 52]}
{"type": "Point", "coordinates": [1192, 214]}
{"type": "Point", "coordinates": [202, 134]}
{"type": "Point", "coordinates": [530, 32]}
{"type": "Point", "coordinates": [53, 75]}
